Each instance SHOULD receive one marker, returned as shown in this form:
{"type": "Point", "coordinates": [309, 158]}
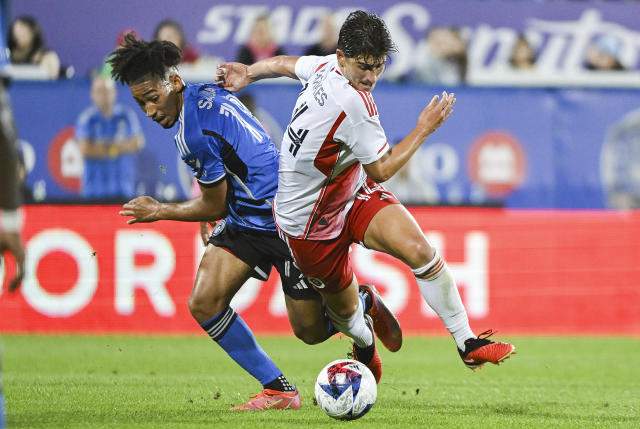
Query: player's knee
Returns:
{"type": "Point", "coordinates": [419, 253]}
{"type": "Point", "coordinates": [309, 334]}
{"type": "Point", "coordinates": [203, 308]}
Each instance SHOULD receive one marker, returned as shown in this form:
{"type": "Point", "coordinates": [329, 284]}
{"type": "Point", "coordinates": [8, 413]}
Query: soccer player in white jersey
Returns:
{"type": "Point", "coordinates": [333, 157]}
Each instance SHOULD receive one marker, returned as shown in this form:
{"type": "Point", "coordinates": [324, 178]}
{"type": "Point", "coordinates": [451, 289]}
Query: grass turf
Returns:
{"type": "Point", "coordinates": [150, 382]}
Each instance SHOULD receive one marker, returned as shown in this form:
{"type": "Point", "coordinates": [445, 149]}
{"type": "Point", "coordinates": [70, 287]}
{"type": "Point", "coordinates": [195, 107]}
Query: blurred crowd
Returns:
{"type": "Point", "coordinates": [441, 55]}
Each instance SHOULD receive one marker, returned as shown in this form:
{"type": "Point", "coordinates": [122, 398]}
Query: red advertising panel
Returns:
{"type": "Point", "coordinates": [555, 272]}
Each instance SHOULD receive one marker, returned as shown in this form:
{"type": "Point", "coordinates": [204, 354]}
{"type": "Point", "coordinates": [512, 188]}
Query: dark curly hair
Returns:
{"type": "Point", "coordinates": [138, 58]}
{"type": "Point", "coordinates": [365, 35]}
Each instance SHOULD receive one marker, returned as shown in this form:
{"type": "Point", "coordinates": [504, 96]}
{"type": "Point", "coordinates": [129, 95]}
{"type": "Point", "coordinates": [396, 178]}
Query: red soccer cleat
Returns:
{"type": "Point", "coordinates": [272, 400]}
{"type": "Point", "coordinates": [385, 324]}
{"type": "Point", "coordinates": [478, 351]}
{"type": "Point", "coordinates": [375, 363]}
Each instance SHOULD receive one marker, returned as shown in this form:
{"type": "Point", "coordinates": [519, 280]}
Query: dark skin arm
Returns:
{"type": "Point", "coordinates": [10, 241]}
{"type": "Point", "coordinates": [211, 206]}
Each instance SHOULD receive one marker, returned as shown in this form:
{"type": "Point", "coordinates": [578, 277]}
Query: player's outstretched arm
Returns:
{"type": "Point", "coordinates": [236, 76]}
{"type": "Point", "coordinates": [430, 119]}
{"type": "Point", "coordinates": [211, 205]}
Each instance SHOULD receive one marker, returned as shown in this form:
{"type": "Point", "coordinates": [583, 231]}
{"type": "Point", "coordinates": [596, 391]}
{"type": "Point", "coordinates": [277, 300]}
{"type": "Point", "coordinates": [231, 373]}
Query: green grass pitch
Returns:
{"type": "Point", "coordinates": [176, 382]}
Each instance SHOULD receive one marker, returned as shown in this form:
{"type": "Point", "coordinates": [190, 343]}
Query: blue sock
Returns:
{"type": "Point", "coordinates": [234, 336]}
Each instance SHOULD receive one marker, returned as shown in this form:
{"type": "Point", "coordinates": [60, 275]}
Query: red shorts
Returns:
{"type": "Point", "coordinates": [326, 263]}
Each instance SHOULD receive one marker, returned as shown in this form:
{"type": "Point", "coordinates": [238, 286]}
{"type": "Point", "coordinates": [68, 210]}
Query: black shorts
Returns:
{"type": "Point", "coordinates": [261, 251]}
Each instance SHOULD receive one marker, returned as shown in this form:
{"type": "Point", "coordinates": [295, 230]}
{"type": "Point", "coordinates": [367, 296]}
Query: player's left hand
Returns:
{"type": "Point", "coordinates": [143, 209]}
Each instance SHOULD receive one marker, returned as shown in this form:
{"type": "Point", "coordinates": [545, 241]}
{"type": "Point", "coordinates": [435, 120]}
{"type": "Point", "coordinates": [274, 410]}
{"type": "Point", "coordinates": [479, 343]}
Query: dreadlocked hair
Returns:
{"type": "Point", "coordinates": [138, 58]}
{"type": "Point", "coordinates": [365, 35]}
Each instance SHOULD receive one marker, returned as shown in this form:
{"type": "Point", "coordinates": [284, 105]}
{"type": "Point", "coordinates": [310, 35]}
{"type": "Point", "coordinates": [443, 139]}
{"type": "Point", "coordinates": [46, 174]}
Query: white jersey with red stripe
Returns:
{"type": "Point", "coordinates": [334, 129]}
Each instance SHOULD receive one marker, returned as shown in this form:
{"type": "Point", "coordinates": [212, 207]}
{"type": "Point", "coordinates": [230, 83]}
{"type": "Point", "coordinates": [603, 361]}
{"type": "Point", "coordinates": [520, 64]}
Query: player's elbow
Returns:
{"type": "Point", "coordinates": [378, 175]}
{"type": "Point", "coordinates": [379, 178]}
{"type": "Point", "coordinates": [378, 171]}
{"type": "Point", "coordinates": [216, 213]}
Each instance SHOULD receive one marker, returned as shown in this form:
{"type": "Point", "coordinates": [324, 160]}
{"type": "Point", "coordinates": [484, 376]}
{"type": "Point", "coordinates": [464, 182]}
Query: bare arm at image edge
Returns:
{"type": "Point", "coordinates": [11, 221]}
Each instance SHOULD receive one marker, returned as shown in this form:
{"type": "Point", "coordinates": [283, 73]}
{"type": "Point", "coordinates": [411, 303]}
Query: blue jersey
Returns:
{"type": "Point", "coordinates": [221, 140]}
{"type": "Point", "coordinates": [110, 177]}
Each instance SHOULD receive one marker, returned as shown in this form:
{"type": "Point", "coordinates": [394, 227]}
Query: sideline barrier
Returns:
{"type": "Point", "coordinates": [543, 272]}
{"type": "Point", "coordinates": [517, 148]}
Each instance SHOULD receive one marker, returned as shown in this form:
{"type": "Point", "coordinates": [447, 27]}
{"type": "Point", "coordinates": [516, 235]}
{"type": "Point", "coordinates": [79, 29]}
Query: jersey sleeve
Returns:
{"type": "Point", "coordinates": [363, 133]}
{"type": "Point", "coordinates": [307, 66]}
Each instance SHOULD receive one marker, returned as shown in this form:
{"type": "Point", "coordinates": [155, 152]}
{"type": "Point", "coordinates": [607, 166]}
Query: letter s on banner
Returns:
{"type": "Point", "coordinates": [67, 304]}
{"type": "Point", "coordinates": [152, 278]}
{"type": "Point", "coordinates": [218, 25]}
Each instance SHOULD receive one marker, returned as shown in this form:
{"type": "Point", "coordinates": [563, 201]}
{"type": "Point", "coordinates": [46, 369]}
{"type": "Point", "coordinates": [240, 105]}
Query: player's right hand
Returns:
{"type": "Point", "coordinates": [232, 76]}
{"type": "Point", "coordinates": [204, 233]}
{"type": "Point", "coordinates": [142, 209]}
{"type": "Point", "coordinates": [436, 112]}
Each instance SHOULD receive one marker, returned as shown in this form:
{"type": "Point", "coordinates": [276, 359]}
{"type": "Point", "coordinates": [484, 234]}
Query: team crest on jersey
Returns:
{"type": "Point", "coordinates": [315, 282]}
{"type": "Point", "coordinates": [196, 166]}
{"type": "Point", "coordinates": [219, 228]}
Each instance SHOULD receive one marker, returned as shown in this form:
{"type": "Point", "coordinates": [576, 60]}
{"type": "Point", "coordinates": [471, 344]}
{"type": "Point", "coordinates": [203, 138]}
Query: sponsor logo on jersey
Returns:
{"type": "Point", "coordinates": [315, 282]}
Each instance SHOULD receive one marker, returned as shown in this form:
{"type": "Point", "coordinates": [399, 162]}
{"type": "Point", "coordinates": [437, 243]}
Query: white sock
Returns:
{"type": "Point", "coordinates": [354, 326]}
{"type": "Point", "coordinates": [441, 293]}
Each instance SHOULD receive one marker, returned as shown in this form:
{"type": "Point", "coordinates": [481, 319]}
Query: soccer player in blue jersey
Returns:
{"type": "Point", "coordinates": [109, 135]}
{"type": "Point", "coordinates": [236, 166]}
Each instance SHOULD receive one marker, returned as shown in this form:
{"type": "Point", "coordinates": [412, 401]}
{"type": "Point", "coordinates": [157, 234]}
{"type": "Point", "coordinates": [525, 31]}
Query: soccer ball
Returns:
{"type": "Point", "coordinates": [346, 389]}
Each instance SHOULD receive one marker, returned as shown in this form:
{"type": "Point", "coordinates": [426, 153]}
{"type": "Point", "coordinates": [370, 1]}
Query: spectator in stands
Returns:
{"type": "Point", "coordinates": [603, 54]}
{"type": "Point", "coordinates": [108, 134]}
{"type": "Point", "coordinates": [26, 46]}
{"type": "Point", "coordinates": [171, 31]}
{"type": "Point", "coordinates": [261, 43]}
{"type": "Point", "coordinates": [329, 42]}
{"type": "Point", "coordinates": [441, 58]}
{"type": "Point", "coordinates": [410, 186]}
{"type": "Point", "coordinates": [523, 56]}
{"type": "Point", "coordinates": [620, 163]}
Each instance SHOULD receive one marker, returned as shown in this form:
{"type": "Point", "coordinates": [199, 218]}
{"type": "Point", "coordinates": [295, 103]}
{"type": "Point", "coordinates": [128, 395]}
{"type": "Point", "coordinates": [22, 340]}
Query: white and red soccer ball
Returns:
{"type": "Point", "coordinates": [346, 389]}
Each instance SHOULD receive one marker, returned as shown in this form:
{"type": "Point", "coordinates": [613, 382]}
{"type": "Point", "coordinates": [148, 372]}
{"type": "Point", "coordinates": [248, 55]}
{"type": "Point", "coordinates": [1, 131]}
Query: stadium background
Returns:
{"type": "Point", "coordinates": [521, 173]}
